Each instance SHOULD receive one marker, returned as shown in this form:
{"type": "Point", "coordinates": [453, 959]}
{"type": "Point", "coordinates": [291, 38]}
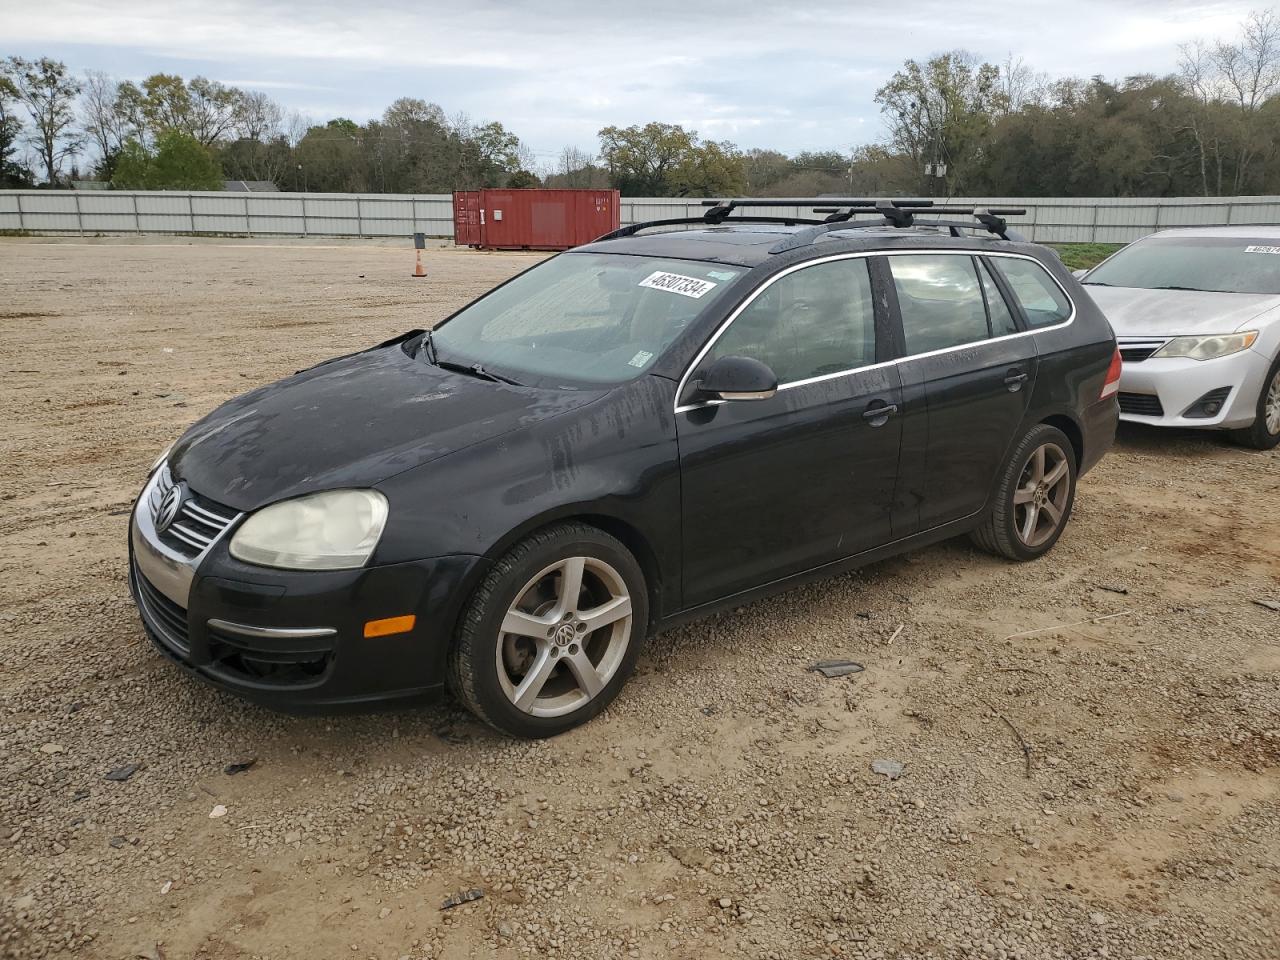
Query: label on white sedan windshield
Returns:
{"type": "Point", "coordinates": [678, 283]}
{"type": "Point", "coordinates": [1261, 249]}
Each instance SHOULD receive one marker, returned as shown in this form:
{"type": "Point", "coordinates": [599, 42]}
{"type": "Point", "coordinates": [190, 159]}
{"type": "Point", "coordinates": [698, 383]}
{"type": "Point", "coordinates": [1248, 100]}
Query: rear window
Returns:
{"type": "Point", "coordinates": [1039, 295]}
{"type": "Point", "coordinates": [1214, 264]}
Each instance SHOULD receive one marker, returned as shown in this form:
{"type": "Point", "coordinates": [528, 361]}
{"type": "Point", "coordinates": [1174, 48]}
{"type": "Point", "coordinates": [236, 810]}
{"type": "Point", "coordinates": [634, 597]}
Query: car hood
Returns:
{"type": "Point", "coordinates": [1134, 312]}
{"type": "Point", "coordinates": [351, 422]}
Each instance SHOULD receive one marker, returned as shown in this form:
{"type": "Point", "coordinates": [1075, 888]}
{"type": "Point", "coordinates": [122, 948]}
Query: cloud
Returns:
{"type": "Point", "coordinates": [556, 72]}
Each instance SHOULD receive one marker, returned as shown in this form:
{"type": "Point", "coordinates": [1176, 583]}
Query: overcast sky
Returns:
{"type": "Point", "coordinates": [777, 74]}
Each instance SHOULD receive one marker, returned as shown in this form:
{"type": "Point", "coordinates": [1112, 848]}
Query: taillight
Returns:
{"type": "Point", "coordinates": [1112, 384]}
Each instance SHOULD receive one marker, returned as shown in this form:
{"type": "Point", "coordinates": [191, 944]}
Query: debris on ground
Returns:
{"type": "Point", "coordinates": [231, 769]}
{"type": "Point", "coordinates": [458, 899]}
{"type": "Point", "coordinates": [218, 811]}
{"type": "Point", "coordinates": [122, 773]}
{"type": "Point", "coordinates": [1269, 604]}
{"type": "Point", "coordinates": [888, 768]}
{"type": "Point", "coordinates": [1114, 588]}
{"type": "Point", "coordinates": [835, 668]}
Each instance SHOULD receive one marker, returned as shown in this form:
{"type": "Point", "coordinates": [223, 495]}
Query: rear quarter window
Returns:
{"type": "Point", "coordinates": [1039, 295]}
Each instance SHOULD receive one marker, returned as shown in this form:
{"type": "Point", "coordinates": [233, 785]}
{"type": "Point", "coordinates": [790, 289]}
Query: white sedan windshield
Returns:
{"type": "Point", "coordinates": [1215, 264]}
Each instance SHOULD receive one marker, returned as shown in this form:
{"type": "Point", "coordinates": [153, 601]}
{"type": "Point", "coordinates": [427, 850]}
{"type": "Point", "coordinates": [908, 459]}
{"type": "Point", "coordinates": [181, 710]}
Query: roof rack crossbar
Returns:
{"type": "Point", "coordinates": [631, 229]}
{"type": "Point", "coordinates": [839, 211]}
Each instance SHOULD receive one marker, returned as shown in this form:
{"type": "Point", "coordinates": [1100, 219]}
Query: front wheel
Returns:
{"type": "Point", "coordinates": [552, 633]}
{"type": "Point", "coordinates": [1264, 434]}
{"type": "Point", "coordinates": [1033, 498]}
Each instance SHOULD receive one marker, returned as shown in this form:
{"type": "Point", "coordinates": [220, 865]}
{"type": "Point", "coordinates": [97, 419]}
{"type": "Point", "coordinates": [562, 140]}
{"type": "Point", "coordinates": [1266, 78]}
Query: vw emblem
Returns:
{"type": "Point", "coordinates": [565, 635]}
{"type": "Point", "coordinates": [167, 512]}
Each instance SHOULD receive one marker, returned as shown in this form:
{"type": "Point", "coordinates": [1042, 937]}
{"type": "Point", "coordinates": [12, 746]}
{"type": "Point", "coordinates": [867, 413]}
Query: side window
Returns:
{"type": "Point", "coordinates": [813, 322]}
{"type": "Point", "coordinates": [1041, 298]}
{"type": "Point", "coordinates": [940, 301]}
{"type": "Point", "coordinates": [1002, 322]}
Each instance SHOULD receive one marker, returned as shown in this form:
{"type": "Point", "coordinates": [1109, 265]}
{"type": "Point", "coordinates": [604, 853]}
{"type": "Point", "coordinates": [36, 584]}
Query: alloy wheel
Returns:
{"type": "Point", "coordinates": [564, 637]}
{"type": "Point", "coordinates": [1040, 500]}
{"type": "Point", "coordinates": [1271, 406]}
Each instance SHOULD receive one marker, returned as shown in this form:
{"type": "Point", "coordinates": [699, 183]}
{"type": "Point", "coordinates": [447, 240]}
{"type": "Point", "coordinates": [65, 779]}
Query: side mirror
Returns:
{"type": "Point", "coordinates": [738, 378]}
{"type": "Point", "coordinates": [1079, 273]}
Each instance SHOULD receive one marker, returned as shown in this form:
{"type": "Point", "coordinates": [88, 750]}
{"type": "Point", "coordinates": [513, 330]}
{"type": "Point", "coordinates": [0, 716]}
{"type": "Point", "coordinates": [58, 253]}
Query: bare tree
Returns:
{"type": "Point", "coordinates": [1021, 85]}
{"type": "Point", "coordinates": [111, 112]}
{"type": "Point", "coordinates": [1250, 70]}
{"type": "Point", "coordinates": [260, 118]}
{"type": "Point", "coordinates": [49, 95]}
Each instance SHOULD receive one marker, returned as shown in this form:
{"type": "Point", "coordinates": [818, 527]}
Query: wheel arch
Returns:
{"type": "Point", "coordinates": [628, 533]}
{"type": "Point", "coordinates": [1073, 431]}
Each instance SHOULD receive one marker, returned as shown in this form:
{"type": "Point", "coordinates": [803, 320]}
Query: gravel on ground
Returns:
{"type": "Point", "coordinates": [725, 806]}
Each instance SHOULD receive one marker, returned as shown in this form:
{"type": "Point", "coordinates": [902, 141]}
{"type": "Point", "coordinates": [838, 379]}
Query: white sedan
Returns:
{"type": "Point", "coordinates": [1196, 313]}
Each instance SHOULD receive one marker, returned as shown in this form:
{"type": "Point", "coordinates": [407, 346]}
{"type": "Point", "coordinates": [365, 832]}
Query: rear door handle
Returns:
{"type": "Point", "coordinates": [1015, 379]}
{"type": "Point", "coordinates": [880, 415]}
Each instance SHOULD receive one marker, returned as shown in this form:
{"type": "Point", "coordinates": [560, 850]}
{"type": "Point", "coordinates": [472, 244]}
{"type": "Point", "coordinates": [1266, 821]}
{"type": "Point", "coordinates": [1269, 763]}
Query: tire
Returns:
{"type": "Point", "coordinates": [527, 660]}
{"type": "Point", "coordinates": [1005, 531]}
{"type": "Point", "coordinates": [1264, 432]}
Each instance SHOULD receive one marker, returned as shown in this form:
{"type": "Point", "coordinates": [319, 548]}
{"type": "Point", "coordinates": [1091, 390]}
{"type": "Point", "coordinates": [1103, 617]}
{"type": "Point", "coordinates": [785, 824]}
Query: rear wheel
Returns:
{"type": "Point", "coordinates": [1264, 434]}
{"type": "Point", "coordinates": [552, 633]}
{"type": "Point", "coordinates": [1033, 498]}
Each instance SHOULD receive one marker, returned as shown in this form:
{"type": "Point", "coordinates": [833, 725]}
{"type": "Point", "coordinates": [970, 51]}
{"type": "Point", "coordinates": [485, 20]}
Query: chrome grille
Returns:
{"type": "Point", "coordinates": [166, 619]}
{"type": "Point", "coordinates": [1137, 349]}
{"type": "Point", "coordinates": [199, 523]}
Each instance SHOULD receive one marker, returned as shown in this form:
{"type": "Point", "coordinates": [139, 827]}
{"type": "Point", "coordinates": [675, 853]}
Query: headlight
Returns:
{"type": "Point", "coordinates": [1208, 348]}
{"type": "Point", "coordinates": [336, 530]}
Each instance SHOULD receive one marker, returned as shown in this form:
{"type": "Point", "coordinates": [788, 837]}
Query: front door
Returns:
{"type": "Point", "coordinates": [774, 487]}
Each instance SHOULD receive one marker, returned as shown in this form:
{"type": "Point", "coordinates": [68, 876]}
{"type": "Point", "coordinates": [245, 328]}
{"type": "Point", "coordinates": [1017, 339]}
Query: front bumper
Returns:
{"type": "Point", "coordinates": [1166, 392]}
{"type": "Point", "coordinates": [294, 640]}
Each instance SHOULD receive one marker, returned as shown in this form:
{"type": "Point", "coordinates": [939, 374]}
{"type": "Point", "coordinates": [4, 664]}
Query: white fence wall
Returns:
{"type": "Point", "coordinates": [86, 213]}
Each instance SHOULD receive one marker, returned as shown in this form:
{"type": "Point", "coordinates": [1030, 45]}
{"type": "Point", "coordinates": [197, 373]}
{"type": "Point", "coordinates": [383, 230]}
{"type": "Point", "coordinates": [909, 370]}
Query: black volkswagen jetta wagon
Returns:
{"type": "Point", "coordinates": [625, 436]}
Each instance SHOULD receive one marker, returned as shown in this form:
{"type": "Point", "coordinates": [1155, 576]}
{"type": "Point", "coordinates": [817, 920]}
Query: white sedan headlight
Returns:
{"type": "Point", "coordinates": [335, 530]}
{"type": "Point", "coordinates": [1208, 348]}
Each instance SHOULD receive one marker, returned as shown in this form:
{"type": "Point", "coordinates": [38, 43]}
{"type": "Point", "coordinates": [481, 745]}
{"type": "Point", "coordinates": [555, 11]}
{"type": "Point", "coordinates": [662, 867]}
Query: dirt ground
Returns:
{"type": "Point", "coordinates": [724, 806]}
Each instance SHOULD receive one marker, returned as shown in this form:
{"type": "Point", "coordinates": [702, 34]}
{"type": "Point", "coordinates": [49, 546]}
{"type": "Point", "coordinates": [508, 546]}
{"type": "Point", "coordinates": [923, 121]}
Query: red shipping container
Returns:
{"type": "Point", "coordinates": [533, 219]}
{"type": "Point", "coordinates": [466, 218]}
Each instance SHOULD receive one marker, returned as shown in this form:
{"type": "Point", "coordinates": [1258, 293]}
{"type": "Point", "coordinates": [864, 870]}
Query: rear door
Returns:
{"type": "Point", "coordinates": [774, 487]}
{"type": "Point", "coordinates": [965, 356]}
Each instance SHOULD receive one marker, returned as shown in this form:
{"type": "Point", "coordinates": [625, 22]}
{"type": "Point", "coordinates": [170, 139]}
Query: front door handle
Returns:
{"type": "Point", "coordinates": [1015, 379]}
{"type": "Point", "coordinates": [879, 415]}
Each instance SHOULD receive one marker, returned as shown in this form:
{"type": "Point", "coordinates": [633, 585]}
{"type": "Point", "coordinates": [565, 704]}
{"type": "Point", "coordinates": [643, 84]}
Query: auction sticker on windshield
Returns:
{"type": "Point", "coordinates": [1261, 249]}
{"type": "Point", "coordinates": [677, 283]}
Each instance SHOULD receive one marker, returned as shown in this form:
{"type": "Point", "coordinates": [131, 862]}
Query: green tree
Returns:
{"type": "Point", "coordinates": [664, 159]}
{"type": "Point", "coordinates": [202, 109]}
{"type": "Point", "coordinates": [49, 94]}
{"type": "Point", "coordinates": [132, 167]}
{"type": "Point", "coordinates": [642, 160]}
{"type": "Point", "coordinates": [523, 180]}
{"type": "Point", "coordinates": [12, 174]}
{"type": "Point", "coordinates": [710, 169]}
{"type": "Point", "coordinates": [942, 111]}
{"type": "Point", "coordinates": [180, 162]}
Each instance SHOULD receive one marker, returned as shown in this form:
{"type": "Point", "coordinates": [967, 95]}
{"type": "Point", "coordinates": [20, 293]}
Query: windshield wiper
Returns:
{"type": "Point", "coordinates": [1175, 287]}
{"type": "Point", "coordinates": [428, 348]}
{"type": "Point", "coordinates": [476, 370]}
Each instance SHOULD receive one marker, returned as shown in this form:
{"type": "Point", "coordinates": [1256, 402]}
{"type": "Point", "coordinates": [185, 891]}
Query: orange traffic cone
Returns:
{"type": "Point", "coordinates": [418, 269]}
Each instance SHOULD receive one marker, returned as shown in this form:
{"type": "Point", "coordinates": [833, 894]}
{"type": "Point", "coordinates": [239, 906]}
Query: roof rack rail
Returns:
{"type": "Point", "coordinates": [839, 211]}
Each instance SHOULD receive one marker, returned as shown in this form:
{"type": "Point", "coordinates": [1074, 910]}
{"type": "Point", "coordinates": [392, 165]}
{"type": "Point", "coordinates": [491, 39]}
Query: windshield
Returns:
{"type": "Point", "coordinates": [594, 317]}
{"type": "Point", "coordinates": [1215, 264]}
